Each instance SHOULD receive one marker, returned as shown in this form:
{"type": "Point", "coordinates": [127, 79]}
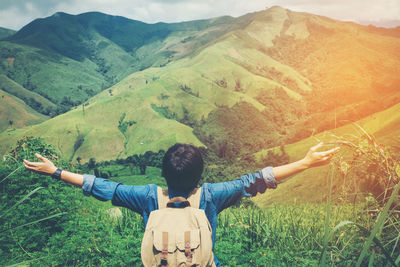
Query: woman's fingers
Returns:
{"type": "Point", "coordinates": [40, 157]}
{"type": "Point", "coordinates": [26, 165]}
{"type": "Point", "coordinates": [332, 151]}
{"type": "Point", "coordinates": [315, 148]}
{"type": "Point", "coordinates": [326, 158]}
{"type": "Point", "coordinates": [44, 166]}
{"type": "Point", "coordinates": [30, 164]}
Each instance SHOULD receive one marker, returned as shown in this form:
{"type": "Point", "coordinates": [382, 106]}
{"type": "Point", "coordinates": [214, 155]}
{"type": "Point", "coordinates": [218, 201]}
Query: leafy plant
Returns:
{"type": "Point", "coordinates": [370, 172]}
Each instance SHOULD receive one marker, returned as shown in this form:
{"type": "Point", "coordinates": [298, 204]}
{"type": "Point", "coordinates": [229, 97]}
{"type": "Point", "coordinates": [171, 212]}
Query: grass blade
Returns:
{"type": "Point", "coordinates": [371, 260]}
{"type": "Point", "coordinates": [26, 263]}
{"type": "Point", "coordinates": [11, 173]}
{"type": "Point", "coordinates": [378, 225]}
{"type": "Point", "coordinates": [29, 223]}
{"type": "Point", "coordinates": [378, 243]}
{"type": "Point", "coordinates": [22, 200]}
{"type": "Point", "coordinates": [326, 228]}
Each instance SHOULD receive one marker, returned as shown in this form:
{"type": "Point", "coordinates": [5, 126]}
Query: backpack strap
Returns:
{"type": "Point", "coordinates": [163, 198]}
{"type": "Point", "coordinates": [178, 199]}
{"type": "Point", "coordinates": [188, 251]}
{"type": "Point", "coordinates": [164, 253]}
{"type": "Point", "coordinates": [194, 198]}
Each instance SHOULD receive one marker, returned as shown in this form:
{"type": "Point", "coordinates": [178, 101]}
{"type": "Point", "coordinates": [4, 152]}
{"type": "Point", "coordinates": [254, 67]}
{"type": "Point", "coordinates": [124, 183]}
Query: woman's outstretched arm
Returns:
{"type": "Point", "coordinates": [312, 159]}
{"type": "Point", "coordinates": [45, 166]}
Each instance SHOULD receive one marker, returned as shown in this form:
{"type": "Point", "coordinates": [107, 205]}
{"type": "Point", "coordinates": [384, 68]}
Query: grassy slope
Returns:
{"type": "Point", "coordinates": [356, 69]}
{"type": "Point", "coordinates": [104, 140]}
{"type": "Point", "coordinates": [134, 97]}
{"type": "Point", "coordinates": [15, 110]}
{"type": "Point", "coordinates": [312, 185]}
{"type": "Point", "coordinates": [52, 75]}
{"type": "Point", "coordinates": [6, 32]}
{"type": "Point", "coordinates": [92, 51]}
{"type": "Point", "coordinates": [17, 90]}
{"type": "Point", "coordinates": [239, 55]}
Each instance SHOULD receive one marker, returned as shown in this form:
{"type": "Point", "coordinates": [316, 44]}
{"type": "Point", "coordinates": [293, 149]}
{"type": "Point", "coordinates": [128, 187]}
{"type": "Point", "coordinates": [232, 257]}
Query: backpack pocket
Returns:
{"type": "Point", "coordinates": [188, 244]}
{"type": "Point", "coordinates": [177, 249]}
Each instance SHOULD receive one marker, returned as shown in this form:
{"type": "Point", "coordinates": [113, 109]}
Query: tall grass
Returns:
{"type": "Point", "coordinates": [4, 213]}
{"type": "Point", "coordinates": [280, 235]}
{"type": "Point", "coordinates": [374, 172]}
{"type": "Point", "coordinates": [357, 226]}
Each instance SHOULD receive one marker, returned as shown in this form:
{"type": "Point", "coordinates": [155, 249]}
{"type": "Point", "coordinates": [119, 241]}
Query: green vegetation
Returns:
{"type": "Point", "coordinates": [165, 112]}
{"type": "Point", "coordinates": [92, 52]}
{"type": "Point", "coordinates": [357, 227]}
{"type": "Point", "coordinates": [189, 90]}
{"type": "Point", "coordinates": [123, 126]}
{"type": "Point", "coordinates": [185, 82]}
{"type": "Point", "coordinates": [6, 32]}
{"type": "Point", "coordinates": [250, 91]}
{"type": "Point", "coordinates": [382, 125]}
{"type": "Point", "coordinates": [239, 130]}
{"type": "Point", "coordinates": [16, 114]}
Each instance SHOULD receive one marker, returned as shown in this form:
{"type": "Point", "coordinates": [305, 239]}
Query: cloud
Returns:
{"type": "Point", "coordinates": [13, 18]}
{"type": "Point", "coordinates": [355, 10]}
{"type": "Point", "coordinates": [16, 13]}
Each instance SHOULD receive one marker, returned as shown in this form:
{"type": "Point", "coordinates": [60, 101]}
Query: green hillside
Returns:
{"type": "Point", "coordinates": [239, 94]}
{"type": "Point", "coordinates": [14, 113]}
{"type": "Point", "coordinates": [32, 99]}
{"type": "Point", "coordinates": [313, 185]}
{"type": "Point", "coordinates": [165, 104]}
{"type": "Point", "coordinates": [93, 51]}
{"type": "Point", "coordinates": [5, 32]}
{"type": "Point", "coordinates": [48, 74]}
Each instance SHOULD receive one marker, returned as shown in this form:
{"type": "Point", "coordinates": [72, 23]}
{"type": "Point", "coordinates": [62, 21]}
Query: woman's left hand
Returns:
{"type": "Point", "coordinates": [45, 166]}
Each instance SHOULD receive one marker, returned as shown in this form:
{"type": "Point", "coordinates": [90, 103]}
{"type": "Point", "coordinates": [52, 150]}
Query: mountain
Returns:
{"type": "Point", "coordinates": [6, 33]}
{"type": "Point", "coordinates": [67, 59]}
{"type": "Point", "coordinates": [234, 85]}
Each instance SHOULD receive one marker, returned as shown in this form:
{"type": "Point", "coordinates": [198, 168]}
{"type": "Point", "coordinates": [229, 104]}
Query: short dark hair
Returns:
{"type": "Point", "coordinates": [182, 167]}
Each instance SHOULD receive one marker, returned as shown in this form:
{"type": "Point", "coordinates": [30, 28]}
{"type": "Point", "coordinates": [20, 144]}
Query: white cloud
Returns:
{"type": "Point", "coordinates": [355, 10]}
{"type": "Point", "coordinates": [13, 18]}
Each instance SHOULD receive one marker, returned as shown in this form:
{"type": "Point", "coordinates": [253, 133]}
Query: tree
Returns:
{"type": "Point", "coordinates": [275, 158]}
{"type": "Point", "coordinates": [147, 159]}
{"type": "Point", "coordinates": [92, 163]}
{"type": "Point", "coordinates": [141, 162]}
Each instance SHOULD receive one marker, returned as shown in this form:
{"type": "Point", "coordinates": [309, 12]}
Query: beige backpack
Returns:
{"type": "Point", "coordinates": [177, 236]}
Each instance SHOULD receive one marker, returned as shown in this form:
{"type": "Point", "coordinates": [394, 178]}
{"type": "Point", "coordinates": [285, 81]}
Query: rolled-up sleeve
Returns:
{"type": "Point", "coordinates": [269, 178]}
{"type": "Point", "coordinates": [227, 194]}
{"type": "Point", "coordinates": [88, 181]}
{"type": "Point", "coordinates": [132, 197]}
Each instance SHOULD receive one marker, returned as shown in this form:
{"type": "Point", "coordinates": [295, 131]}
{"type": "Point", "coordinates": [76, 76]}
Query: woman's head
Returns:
{"type": "Point", "coordinates": [182, 167]}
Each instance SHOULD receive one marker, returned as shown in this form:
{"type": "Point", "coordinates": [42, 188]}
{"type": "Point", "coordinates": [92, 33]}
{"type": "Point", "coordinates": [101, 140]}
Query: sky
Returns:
{"type": "Point", "coordinates": [14, 14]}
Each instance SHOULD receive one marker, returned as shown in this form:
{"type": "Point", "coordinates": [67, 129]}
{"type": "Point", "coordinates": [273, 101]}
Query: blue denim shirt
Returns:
{"type": "Point", "coordinates": [214, 197]}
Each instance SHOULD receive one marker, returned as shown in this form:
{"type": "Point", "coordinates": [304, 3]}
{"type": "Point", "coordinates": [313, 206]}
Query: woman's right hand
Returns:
{"type": "Point", "coordinates": [315, 158]}
{"type": "Point", "coordinates": [45, 166]}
